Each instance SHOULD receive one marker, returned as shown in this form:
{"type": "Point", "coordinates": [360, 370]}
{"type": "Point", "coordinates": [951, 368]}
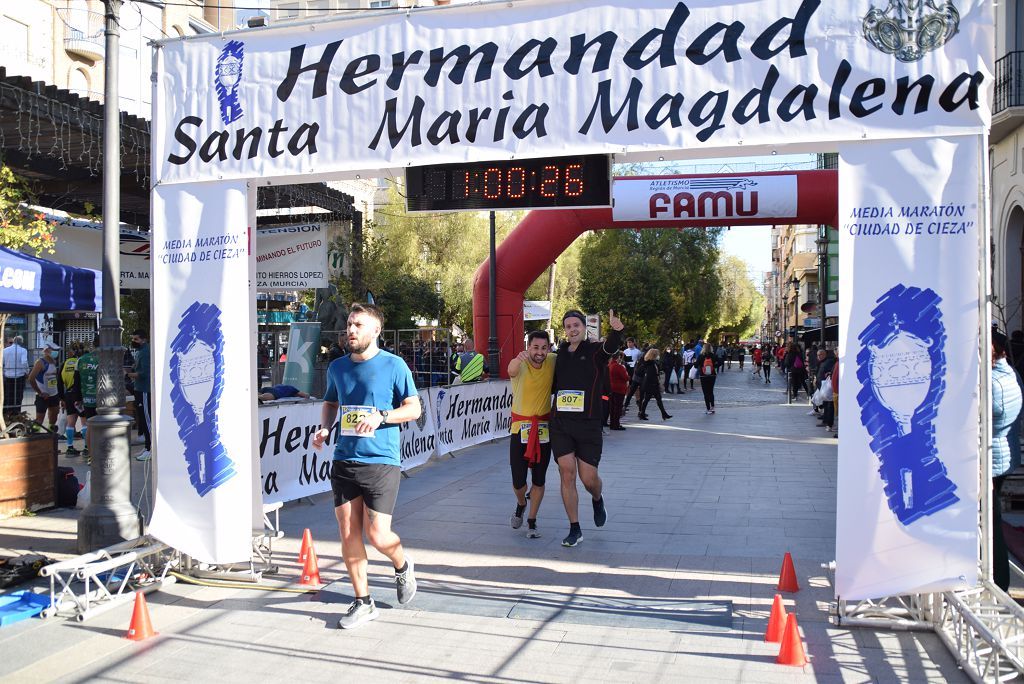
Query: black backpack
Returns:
{"type": "Point", "coordinates": [67, 487]}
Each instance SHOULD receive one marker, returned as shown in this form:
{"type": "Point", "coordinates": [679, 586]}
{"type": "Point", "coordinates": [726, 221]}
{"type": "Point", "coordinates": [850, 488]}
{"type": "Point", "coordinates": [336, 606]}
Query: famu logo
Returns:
{"type": "Point", "coordinates": [909, 29]}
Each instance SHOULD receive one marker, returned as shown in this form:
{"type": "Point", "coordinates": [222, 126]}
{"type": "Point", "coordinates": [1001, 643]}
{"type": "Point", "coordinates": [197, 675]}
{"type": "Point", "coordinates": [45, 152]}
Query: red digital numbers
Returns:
{"type": "Point", "coordinates": [574, 180]}
{"type": "Point", "coordinates": [495, 183]}
{"type": "Point", "coordinates": [516, 182]}
{"type": "Point", "coordinates": [549, 181]}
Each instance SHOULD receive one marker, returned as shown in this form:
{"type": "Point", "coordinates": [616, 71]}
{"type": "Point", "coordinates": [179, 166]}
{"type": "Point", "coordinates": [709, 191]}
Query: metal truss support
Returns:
{"type": "Point", "coordinates": [93, 583]}
{"type": "Point", "coordinates": [982, 627]}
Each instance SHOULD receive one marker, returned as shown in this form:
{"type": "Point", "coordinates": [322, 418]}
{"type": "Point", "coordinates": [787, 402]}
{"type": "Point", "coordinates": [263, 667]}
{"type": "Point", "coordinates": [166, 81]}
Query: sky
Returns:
{"type": "Point", "coordinates": [752, 244]}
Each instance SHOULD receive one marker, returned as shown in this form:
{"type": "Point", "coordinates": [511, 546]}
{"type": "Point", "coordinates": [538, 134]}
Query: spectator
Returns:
{"type": "Point", "coordinates": [618, 378]}
{"type": "Point", "coordinates": [1006, 406]}
{"type": "Point", "coordinates": [15, 360]}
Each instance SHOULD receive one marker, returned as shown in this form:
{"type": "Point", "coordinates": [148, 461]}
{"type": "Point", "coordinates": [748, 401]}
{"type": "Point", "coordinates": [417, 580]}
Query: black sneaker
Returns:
{"type": "Point", "coordinates": [405, 582]}
{"type": "Point", "coordinates": [573, 539]}
{"type": "Point", "coordinates": [358, 613]}
{"type": "Point", "coordinates": [71, 452]}
{"type": "Point", "coordinates": [600, 514]}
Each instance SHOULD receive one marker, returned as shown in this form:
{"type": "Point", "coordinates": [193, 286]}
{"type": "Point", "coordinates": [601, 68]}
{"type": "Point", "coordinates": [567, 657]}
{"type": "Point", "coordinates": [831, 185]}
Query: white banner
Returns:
{"type": "Point", "coordinates": [907, 510]}
{"type": "Point", "coordinates": [204, 411]}
{"type": "Point", "coordinates": [289, 466]}
{"type": "Point", "coordinates": [471, 414]}
{"type": "Point", "coordinates": [715, 197]}
{"type": "Point", "coordinates": [80, 243]}
{"type": "Point", "coordinates": [564, 77]}
{"type": "Point", "coordinates": [536, 310]}
{"type": "Point", "coordinates": [287, 258]}
{"type": "Point", "coordinates": [291, 257]}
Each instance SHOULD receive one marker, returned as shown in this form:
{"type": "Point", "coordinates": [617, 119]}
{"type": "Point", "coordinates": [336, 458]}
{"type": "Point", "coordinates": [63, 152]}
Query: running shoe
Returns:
{"type": "Point", "coordinates": [533, 533]}
{"type": "Point", "coordinates": [573, 539]}
{"type": "Point", "coordinates": [144, 456]}
{"type": "Point", "coordinates": [358, 613]}
{"type": "Point", "coordinates": [712, 410]}
{"type": "Point", "coordinates": [618, 427]}
{"type": "Point", "coordinates": [517, 517]}
{"type": "Point", "coordinates": [71, 452]}
{"type": "Point", "coordinates": [600, 514]}
{"type": "Point", "coordinates": [405, 582]}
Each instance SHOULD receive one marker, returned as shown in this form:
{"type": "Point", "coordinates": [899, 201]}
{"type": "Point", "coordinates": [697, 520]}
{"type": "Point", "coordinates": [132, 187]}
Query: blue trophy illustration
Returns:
{"type": "Point", "coordinates": [228, 76]}
{"type": "Point", "coordinates": [901, 368]}
{"type": "Point", "coordinates": [197, 382]}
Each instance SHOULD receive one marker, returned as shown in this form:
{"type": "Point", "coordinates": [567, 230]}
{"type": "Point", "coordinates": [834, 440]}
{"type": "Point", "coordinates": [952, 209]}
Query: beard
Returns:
{"type": "Point", "coordinates": [359, 346]}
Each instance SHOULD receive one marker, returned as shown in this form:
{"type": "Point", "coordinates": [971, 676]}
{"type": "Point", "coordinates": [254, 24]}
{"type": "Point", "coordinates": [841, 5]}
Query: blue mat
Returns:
{"type": "Point", "coordinates": [21, 605]}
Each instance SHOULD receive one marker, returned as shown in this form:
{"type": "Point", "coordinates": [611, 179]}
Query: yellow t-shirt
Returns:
{"type": "Point", "coordinates": [531, 390]}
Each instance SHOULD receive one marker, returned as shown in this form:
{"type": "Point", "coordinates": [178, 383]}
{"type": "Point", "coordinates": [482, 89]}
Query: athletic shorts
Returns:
{"type": "Point", "coordinates": [376, 483]}
{"type": "Point", "coordinates": [516, 449]}
{"type": "Point", "coordinates": [43, 403]}
{"type": "Point", "coordinates": [580, 437]}
{"type": "Point", "coordinates": [88, 412]}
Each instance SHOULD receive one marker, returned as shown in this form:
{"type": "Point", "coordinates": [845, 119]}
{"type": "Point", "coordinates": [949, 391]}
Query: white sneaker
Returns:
{"type": "Point", "coordinates": [144, 456]}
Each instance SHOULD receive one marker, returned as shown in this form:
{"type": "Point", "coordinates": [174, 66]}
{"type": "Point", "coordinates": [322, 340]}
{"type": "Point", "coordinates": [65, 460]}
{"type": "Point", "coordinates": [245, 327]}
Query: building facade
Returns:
{"type": "Point", "coordinates": [791, 287]}
{"type": "Point", "coordinates": [1006, 148]}
{"type": "Point", "coordinates": [62, 43]}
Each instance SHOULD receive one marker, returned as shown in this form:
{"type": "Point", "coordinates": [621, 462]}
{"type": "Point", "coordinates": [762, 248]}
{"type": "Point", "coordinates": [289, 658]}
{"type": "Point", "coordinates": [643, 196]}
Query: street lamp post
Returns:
{"type": "Point", "coordinates": [796, 304]}
{"type": "Point", "coordinates": [822, 243]}
{"type": "Point", "coordinates": [110, 516]}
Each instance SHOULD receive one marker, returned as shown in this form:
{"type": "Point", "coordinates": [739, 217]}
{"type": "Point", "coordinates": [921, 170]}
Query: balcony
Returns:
{"type": "Point", "coordinates": [1008, 107]}
{"type": "Point", "coordinates": [83, 32]}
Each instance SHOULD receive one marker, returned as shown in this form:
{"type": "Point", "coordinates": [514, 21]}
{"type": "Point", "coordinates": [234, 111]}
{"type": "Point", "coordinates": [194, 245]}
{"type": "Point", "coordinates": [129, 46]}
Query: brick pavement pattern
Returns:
{"type": "Point", "coordinates": [701, 510]}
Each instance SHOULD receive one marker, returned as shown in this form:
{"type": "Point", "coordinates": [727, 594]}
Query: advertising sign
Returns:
{"type": "Point", "coordinates": [907, 510]}
{"type": "Point", "coordinates": [566, 77]}
{"type": "Point", "coordinates": [717, 197]}
{"type": "Point", "coordinates": [536, 310]}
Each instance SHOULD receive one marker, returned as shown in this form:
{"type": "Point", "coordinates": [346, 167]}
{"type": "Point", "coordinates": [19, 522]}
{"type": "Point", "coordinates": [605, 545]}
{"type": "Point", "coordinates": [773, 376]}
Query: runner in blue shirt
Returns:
{"type": "Point", "coordinates": [374, 391]}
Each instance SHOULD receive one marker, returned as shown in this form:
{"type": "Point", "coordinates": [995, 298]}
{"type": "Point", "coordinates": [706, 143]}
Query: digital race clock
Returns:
{"type": "Point", "coordinates": [547, 183]}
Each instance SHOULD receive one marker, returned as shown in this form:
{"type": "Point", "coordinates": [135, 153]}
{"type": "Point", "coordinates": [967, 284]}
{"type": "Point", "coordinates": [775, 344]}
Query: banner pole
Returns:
{"type": "Point", "coordinates": [985, 365]}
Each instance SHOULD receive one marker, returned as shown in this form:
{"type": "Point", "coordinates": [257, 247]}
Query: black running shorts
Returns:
{"type": "Point", "coordinates": [577, 436]}
{"type": "Point", "coordinates": [376, 483]}
{"type": "Point", "coordinates": [516, 449]}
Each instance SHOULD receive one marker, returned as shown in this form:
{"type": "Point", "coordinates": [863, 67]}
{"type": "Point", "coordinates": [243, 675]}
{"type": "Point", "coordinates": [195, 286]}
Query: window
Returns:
{"type": "Point", "coordinates": [318, 7]}
{"type": "Point", "coordinates": [381, 4]}
{"type": "Point", "coordinates": [289, 11]}
{"type": "Point", "coordinates": [14, 51]}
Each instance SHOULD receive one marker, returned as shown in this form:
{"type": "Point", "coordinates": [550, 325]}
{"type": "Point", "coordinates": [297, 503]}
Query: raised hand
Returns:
{"type": "Point", "coordinates": [614, 321]}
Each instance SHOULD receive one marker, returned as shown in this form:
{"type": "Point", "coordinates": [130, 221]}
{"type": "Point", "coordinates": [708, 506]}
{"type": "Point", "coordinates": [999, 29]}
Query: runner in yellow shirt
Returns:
{"type": "Point", "coordinates": [532, 373]}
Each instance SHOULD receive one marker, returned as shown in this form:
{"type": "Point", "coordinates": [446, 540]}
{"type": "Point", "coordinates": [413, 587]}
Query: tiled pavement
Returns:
{"type": "Point", "coordinates": [701, 509]}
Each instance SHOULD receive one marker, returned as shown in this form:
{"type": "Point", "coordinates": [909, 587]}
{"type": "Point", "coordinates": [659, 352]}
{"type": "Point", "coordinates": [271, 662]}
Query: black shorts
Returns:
{"type": "Point", "coordinates": [43, 403]}
{"type": "Point", "coordinates": [88, 412]}
{"type": "Point", "coordinates": [577, 436]}
{"type": "Point", "coordinates": [377, 483]}
{"type": "Point", "coordinates": [516, 449]}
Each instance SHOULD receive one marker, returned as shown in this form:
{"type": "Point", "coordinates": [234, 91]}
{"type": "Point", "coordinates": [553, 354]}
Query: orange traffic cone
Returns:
{"type": "Point", "coordinates": [310, 570]}
{"type": "Point", "coordinates": [776, 621]}
{"type": "Point", "coordinates": [140, 627]}
{"type": "Point", "coordinates": [307, 544]}
{"type": "Point", "coordinates": [787, 578]}
{"type": "Point", "coordinates": [792, 650]}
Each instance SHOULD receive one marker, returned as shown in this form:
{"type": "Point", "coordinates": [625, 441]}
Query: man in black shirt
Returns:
{"type": "Point", "coordinates": [576, 419]}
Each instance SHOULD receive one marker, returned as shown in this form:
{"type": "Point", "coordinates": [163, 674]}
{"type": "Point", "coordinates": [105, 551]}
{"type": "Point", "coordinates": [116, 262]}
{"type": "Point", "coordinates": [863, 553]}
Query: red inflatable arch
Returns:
{"type": "Point", "coordinates": [543, 235]}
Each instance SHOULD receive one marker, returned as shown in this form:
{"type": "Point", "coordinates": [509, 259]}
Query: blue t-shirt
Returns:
{"type": "Point", "coordinates": [383, 382]}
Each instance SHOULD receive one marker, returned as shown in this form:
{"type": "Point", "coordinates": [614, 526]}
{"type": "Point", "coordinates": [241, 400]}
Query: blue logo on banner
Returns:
{"type": "Point", "coordinates": [197, 382]}
{"type": "Point", "coordinates": [902, 366]}
{"type": "Point", "coordinates": [227, 78]}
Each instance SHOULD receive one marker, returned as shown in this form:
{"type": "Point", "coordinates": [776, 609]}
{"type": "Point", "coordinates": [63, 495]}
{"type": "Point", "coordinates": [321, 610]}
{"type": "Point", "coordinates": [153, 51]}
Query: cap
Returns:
{"type": "Point", "coordinates": [52, 345]}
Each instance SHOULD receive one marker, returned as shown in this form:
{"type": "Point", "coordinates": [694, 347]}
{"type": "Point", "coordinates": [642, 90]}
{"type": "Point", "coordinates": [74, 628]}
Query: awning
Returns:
{"type": "Point", "coordinates": [814, 334]}
{"type": "Point", "coordinates": [30, 284]}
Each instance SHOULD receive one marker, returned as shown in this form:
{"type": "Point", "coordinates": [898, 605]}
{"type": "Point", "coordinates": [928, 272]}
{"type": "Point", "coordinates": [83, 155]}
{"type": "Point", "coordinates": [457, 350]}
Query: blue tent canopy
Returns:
{"type": "Point", "coordinates": [30, 284]}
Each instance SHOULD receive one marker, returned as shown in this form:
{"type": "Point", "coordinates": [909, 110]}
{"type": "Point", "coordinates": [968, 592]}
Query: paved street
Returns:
{"type": "Point", "coordinates": [676, 587]}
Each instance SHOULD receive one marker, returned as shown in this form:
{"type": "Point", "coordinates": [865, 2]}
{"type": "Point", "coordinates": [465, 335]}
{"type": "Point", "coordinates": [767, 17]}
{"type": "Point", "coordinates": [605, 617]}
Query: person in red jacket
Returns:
{"type": "Point", "coordinates": [619, 380]}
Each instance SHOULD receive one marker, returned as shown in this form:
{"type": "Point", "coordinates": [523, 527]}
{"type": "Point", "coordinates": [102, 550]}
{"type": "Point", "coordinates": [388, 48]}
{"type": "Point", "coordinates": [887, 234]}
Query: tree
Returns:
{"type": "Point", "coordinates": [742, 306]}
{"type": "Point", "coordinates": [22, 229]}
{"type": "Point", "coordinates": [663, 281]}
